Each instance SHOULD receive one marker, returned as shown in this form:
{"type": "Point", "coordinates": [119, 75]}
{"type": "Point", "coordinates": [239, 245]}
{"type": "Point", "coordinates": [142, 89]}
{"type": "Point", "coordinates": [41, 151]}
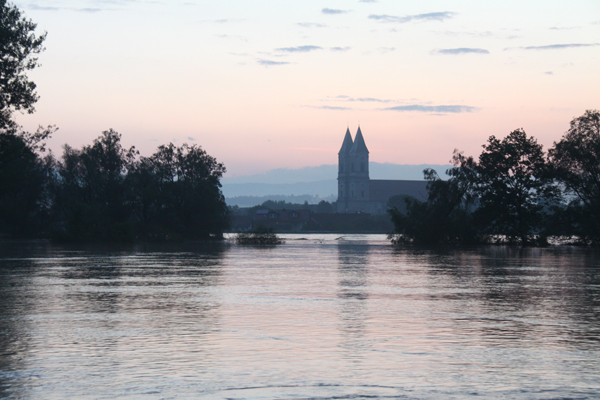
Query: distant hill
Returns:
{"type": "Point", "coordinates": [318, 181]}
{"type": "Point", "coordinates": [318, 188]}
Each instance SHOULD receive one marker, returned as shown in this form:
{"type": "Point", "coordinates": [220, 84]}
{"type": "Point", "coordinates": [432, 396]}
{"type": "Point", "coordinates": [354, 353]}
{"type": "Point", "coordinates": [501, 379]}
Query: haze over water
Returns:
{"type": "Point", "coordinates": [321, 318]}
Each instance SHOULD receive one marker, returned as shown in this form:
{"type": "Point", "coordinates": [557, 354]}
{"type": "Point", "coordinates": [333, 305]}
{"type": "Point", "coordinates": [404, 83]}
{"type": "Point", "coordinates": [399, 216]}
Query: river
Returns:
{"type": "Point", "coordinates": [319, 317]}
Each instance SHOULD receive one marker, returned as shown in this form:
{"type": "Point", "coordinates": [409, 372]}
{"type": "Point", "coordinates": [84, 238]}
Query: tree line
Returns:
{"type": "Point", "coordinates": [104, 192]}
{"type": "Point", "coordinates": [101, 192]}
{"type": "Point", "coordinates": [514, 193]}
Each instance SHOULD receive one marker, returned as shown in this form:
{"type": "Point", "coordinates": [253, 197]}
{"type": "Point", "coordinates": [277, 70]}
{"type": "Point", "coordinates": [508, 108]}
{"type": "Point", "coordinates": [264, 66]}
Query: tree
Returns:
{"type": "Point", "coordinates": [446, 216]}
{"type": "Point", "coordinates": [23, 182]}
{"type": "Point", "coordinates": [19, 46]}
{"type": "Point", "coordinates": [576, 162]}
{"type": "Point", "coordinates": [91, 196]}
{"type": "Point", "coordinates": [178, 194]}
{"type": "Point", "coordinates": [513, 185]}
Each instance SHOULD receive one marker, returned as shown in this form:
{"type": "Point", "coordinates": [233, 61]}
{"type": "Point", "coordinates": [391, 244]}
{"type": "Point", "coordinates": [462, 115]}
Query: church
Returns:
{"type": "Point", "coordinates": [357, 192]}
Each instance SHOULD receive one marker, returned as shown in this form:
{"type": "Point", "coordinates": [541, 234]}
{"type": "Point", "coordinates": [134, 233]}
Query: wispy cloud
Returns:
{"type": "Point", "coordinates": [299, 49]}
{"type": "Point", "coordinates": [454, 109]}
{"type": "Point", "coordinates": [563, 28]}
{"type": "Point", "coordinates": [555, 46]}
{"type": "Point", "coordinates": [549, 73]}
{"type": "Point", "coordinates": [191, 139]}
{"type": "Point", "coordinates": [42, 8]}
{"type": "Point", "coordinates": [339, 48]}
{"type": "Point", "coordinates": [384, 50]}
{"type": "Point", "coordinates": [333, 11]}
{"type": "Point", "coordinates": [335, 108]}
{"type": "Point", "coordinates": [270, 63]}
{"type": "Point", "coordinates": [434, 16]}
{"type": "Point", "coordinates": [311, 25]}
{"type": "Point", "coordinates": [221, 21]}
{"type": "Point", "coordinates": [367, 1]}
{"type": "Point", "coordinates": [466, 33]}
{"type": "Point", "coordinates": [461, 50]}
{"type": "Point", "coordinates": [363, 99]}
{"type": "Point", "coordinates": [38, 7]}
{"type": "Point", "coordinates": [234, 37]}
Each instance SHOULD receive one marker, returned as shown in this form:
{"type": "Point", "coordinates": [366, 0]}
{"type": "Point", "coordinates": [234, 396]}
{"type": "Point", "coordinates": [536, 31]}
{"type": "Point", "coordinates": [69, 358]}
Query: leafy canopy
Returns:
{"type": "Point", "coordinates": [19, 47]}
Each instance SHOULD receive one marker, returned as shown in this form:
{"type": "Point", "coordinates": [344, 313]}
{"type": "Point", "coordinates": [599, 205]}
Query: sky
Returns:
{"type": "Point", "coordinates": [266, 84]}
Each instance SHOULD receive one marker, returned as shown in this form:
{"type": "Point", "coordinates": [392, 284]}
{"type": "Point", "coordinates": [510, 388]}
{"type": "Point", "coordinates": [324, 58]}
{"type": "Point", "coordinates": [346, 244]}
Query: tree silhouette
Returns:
{"type": "Point", "coordinates": [576, 162]}
{"type": "Point", "coordinates": [91, 197]}
{"type": "Point", "coordinates": [177, 194]}
{"type": "Point", "coordinates": [513, 184]}
{"type": "Point", "coordinates": [24, 188]}
{"type": "Point", "coordinates": [19, 46]}
{"type": "Point", "coordinates": [446, 215]}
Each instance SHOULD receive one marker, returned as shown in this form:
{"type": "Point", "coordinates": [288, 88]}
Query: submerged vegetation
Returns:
{"type": "Point", "coordinates": [515, 193]}
{"type": "Point", "coordinates": [258, 236]}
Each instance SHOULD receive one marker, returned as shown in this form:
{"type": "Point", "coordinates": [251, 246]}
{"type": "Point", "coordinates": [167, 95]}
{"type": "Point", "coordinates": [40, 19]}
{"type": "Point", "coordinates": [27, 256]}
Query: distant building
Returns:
{"type": "Point", "coordinates": [356, 191]}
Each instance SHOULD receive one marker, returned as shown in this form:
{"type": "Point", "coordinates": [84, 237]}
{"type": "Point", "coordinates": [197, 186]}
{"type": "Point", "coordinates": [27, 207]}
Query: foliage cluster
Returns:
{"type": "Point", "coordinates": [258, 236]}
{"type": "Point", "coordinates": [104, 192]}
{"type": "Point", "coordinates": [514, 193]}
{"type": "Point", "coordinates": [19, 47]}
{"type": "Point", "coordinates": [321, 207]}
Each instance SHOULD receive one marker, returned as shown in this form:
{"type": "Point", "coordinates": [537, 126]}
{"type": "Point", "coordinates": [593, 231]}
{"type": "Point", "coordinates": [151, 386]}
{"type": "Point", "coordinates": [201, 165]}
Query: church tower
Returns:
{"type": "Point", "coordinates": [353, 175]}
{"type": "Point", "coordinates": [344, 173]}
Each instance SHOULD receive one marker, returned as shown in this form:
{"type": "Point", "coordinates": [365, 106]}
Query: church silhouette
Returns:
{"type": "Point", "coordinates": [356, 191]}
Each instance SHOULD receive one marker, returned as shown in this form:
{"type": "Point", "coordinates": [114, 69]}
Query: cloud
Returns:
{"type": "Point", "coordinates": [333, 11]}
{"type": "Point", "coordinates": [299, 49]}
{"type": "Point", "coordinates": [466, 33]}
{"type": "Point", "coordinates": [367, 1]}
{"type": "Point", "coordinates": [42, 8]}
{"type": "Point", "coordinates": [269, 63]}
{"type": "Point", "coordinates": [461, 50]}
{"type": "Point", "coordinates": [311, 25]}
{"type": "Point", "coordinates": [221, 21]}
{"type": "Point", "coordinates": [371, 100]}
{"type": "Point", "coordinates": [191, 139]}
{"type": "Point", "coordinates": [555, 46]}
{"type": "Point", "coordinates": [363, 99]}
{"type": "Point", "coordinates": [331, 108]}
{"type": "Point", "coordinates": [49, 8]}
{"type": "Point", "coordinates": [384, 50]}
{"type": "Point", "coordinates": [234, 37]}
{"type": "Point", "coordinates": [563, 28]}
{"type": "Point", "coordinates": [433, 109]}
{"type": "Point", "coordinates": [549, 73]}
{"type": "Point", "coordinates": [434, 16]}
{"type": "Point", "coordinates": [339, 48]}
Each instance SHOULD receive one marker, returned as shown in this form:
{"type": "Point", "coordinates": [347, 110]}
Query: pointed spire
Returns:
{"type": "Point", "coordinates": [359, 145]}
{"type": "Point", "coordinates": [347, 145]}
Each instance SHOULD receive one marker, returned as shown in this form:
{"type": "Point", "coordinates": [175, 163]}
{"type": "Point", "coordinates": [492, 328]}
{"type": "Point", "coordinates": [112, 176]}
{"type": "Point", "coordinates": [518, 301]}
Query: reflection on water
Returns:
{"type": "Point", "coordinates": [325, 317]}
{"type": "Point", "coordinates": [353, 270]}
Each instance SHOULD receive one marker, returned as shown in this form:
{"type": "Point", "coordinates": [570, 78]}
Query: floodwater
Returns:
{"type": "Point", "coordinates": [320, 317]}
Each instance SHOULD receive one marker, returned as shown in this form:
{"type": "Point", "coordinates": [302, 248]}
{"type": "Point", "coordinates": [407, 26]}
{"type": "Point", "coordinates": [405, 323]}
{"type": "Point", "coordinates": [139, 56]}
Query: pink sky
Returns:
{"type": "Point", "coordinates": [264, 85]}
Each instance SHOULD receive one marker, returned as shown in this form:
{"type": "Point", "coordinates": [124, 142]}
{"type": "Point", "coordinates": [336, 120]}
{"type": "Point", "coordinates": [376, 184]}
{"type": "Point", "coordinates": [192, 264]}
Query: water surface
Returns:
{"type": "Point", "coordinates": [319, 317]}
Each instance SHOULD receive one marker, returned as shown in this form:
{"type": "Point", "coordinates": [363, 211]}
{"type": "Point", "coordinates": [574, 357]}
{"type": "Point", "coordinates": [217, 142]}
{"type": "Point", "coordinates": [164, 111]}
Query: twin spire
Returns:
{"type": "Point", "coordinates": [356, 146]}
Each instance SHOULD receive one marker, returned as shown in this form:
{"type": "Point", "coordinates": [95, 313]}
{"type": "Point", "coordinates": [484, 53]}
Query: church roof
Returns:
{"type": "Point", "coordinates": [359, 145]}
{"type": "Point", "coordinates": [347, 145]}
